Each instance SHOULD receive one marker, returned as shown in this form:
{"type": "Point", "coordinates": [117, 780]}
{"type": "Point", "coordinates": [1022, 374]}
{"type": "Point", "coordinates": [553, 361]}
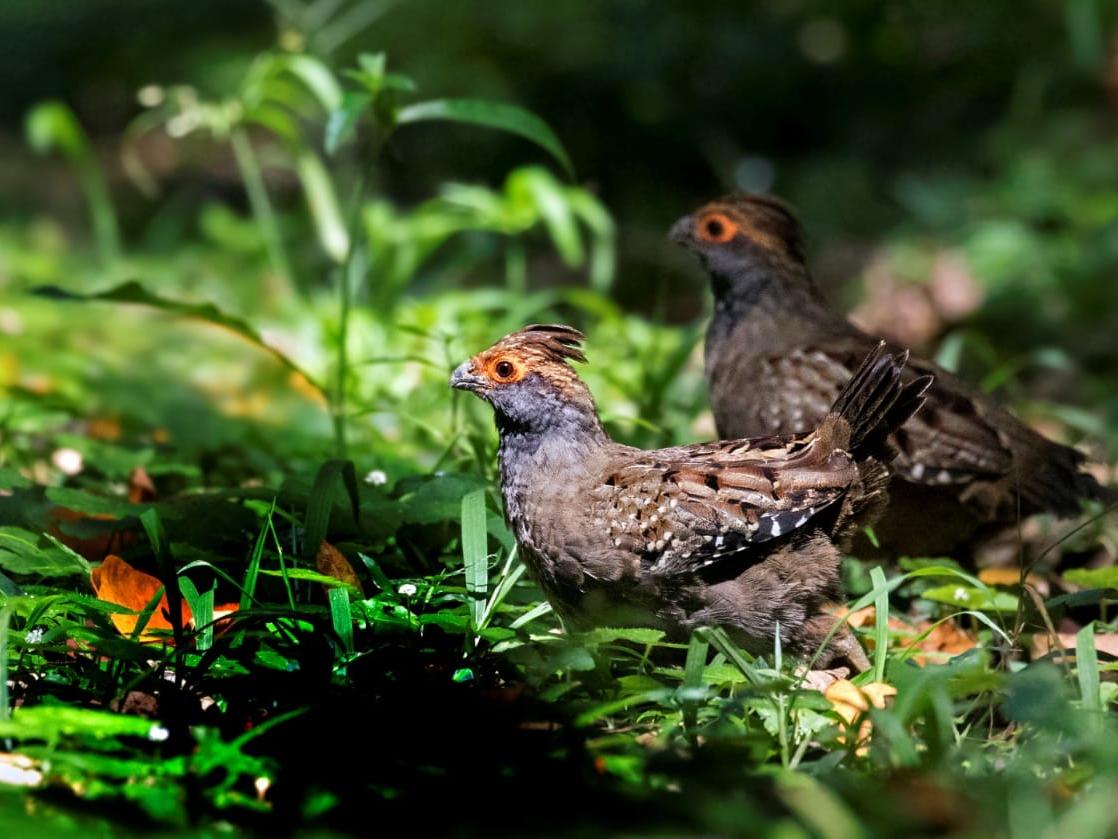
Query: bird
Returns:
{"type": "Point", "coordinates": [776, 354]}
{"type": "Point", "coordinates": [742, 534]}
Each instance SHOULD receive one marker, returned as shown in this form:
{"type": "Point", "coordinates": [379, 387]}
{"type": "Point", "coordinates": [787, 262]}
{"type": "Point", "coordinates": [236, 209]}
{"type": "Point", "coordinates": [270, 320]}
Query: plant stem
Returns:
{"type": "Point", "coordinates": [105, 228]}
{"type": "Point", "coordinates": [350, 266]}
{"type": "Point", "coordinates": [516, 268]}
{"type": "Point", "coordinates": [258, 200]}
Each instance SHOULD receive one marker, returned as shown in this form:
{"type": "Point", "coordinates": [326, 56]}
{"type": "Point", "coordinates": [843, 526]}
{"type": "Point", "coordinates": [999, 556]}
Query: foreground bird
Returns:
{"type": "Point", "coordinates": [743, 534]}
{"type": "Point", "coordinates": [776, 355]}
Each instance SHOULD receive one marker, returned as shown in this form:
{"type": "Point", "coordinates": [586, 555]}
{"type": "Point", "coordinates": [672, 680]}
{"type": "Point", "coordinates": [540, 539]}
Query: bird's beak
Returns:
{"type": "Point", "coordinates": [681, 231]}
{"type": "Point", "coordinates": [463, 378]}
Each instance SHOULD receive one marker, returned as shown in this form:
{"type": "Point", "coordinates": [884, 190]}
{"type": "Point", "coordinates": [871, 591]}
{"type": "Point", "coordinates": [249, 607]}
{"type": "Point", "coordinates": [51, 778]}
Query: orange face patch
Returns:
{"type": "Point", "coordinates": [716, 227]}
{"type": "Point", "coordinates": [505, 369]}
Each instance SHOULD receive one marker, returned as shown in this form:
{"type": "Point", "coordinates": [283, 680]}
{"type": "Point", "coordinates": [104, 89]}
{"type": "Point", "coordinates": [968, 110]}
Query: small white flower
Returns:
{"type": "Point", "coordinates": [407, 590]}
{"type": "Point", "coordinates": [960, 595]}
{"type": "Point", "coordinates": [376, 478]}
{"type": "Point", "coordinates": [67, 461]}
{"type": "Point", "coordinates": [158, 734]}
{"type": "Point", "coordinates": [35, 636]}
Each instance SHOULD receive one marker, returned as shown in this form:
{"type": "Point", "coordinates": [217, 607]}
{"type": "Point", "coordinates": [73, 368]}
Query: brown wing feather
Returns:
{"type": "Point", "coordinates": [686, 507]}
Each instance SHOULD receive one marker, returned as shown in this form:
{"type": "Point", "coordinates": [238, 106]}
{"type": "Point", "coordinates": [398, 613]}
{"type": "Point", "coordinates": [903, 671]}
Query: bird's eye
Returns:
{"type": "Point", "coordinates": [506, 371]}
{"type": "Point", "coordinates": [717, 227]}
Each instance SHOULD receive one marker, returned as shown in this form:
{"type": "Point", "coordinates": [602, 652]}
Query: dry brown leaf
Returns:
{"type": "Point", "coordinates": [141, 488]}
{"type": "Point", "coordinates": [332, 562]}
{"type": "Point", "coordinates": [115, 581]}
{"type": "Point", "coordinates": [1105, 642]}
{"type": "Point", "coordinates": [852, 702]}
{"type": "Point", "coordinates": [95, 547]}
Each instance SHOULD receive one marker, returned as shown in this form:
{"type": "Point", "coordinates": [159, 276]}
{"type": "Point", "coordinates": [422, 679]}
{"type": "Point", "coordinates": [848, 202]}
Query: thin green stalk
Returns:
{"type": "Point", "coordinates": [261, 205]}
{"type": "Point", "coordinates": [351, 265]}
{"type": "Point", "coordinates": [101, 210]}
{"type": "Point", "coordinates": [5, 619]}
{"type": "Point", "coordinates": [516, 267]}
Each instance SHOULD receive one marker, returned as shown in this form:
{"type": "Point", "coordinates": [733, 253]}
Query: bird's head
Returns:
{"type": "Point", "coordinates": [739, 231]}
{"type": "Point", "coordinates": [528, 379]}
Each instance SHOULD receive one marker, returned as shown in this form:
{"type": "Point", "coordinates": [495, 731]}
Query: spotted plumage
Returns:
{"type": "Point", "coordinates": [744, 534]}
{"type": "Point", "coordinates": [776, 356]}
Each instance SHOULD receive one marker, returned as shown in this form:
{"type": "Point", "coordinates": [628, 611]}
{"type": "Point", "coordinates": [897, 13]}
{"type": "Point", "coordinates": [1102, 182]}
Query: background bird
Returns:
{"type": "Point", "coordinates": [776, 355]}
{"type": "Point", "coordinates": [744, 534]}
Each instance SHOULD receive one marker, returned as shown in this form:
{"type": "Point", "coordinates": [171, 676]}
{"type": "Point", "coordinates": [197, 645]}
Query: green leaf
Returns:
{"type": "Point", "coordinates": [499, 115]}
{"type": "Point", "coordinates": [1087, 671]}
{"type": "Point", "coordinates": [475, 553]}
{"type": "Point", "coordinates": [52, 126]}
{"type": "Point", "coordinates": [316, 76]}
{"type": "Point", "coordinates": [342, 122]}
{"type": "Point", "coordinates": [438, 498]}
{"type": "Point", "coordinates": [1093, 577]}
{"type": "Point", "coordinates": [25, 553]}
{"type": "Point", "coordinates": [320, 503]}
{"type": "Point", "coordinates": [880, 624]}
{"type": "Point", "coordinates": [307, 575]}
{"type": "Point", "coordinates": [49, 722]}
{"type": "Point", "coordinates": [969, 597]}
{"type": "Point", "coordinates": [697, 651]}
{"type": "Point", "coordinates": [341, 617]}
{"type": "Point", "coordinates": [610, 635]}
{"type": "Point", "coordinates": [323, 203]}
{"type": "Point", "coordinates": [133, 292]}
{"type": "Point", "coordinates": [202, 608]}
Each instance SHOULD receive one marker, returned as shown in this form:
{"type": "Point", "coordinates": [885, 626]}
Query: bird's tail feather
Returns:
{"type": "Point", "coordinates": [875, 402]}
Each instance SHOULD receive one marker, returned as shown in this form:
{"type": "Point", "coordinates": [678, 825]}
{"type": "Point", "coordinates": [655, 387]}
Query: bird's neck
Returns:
{"type": "Point", "coordinates": [548, 459]}
{"type": "Point", "coordinates": [763, 291]}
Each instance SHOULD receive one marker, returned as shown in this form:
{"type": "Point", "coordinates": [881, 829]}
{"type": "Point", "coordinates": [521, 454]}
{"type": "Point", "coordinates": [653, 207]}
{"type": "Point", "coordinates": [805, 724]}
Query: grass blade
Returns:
{"type": "Point", "coordinates": [697, 651]}
{"type": "Point", "coordinates": [475, 557]}
{"type": "Point", "coordinates": [880, 623]}
{"type": "Point", "coordinates": [1087, 671]}
{"type": "Point", "coordinates": [341, 616]}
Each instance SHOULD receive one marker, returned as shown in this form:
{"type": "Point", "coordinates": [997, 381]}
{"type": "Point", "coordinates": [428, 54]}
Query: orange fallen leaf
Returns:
{"type": "Point", "coordinates": [115, 581]}
{"type": "Point", "coordinates": [332, 562]}
{"type": "Point", "coordinates": [1007, 577]}
{"type": "Point", "coordinates": [852, 703]}
{"type": "Point", "coordinates": [945, 640]}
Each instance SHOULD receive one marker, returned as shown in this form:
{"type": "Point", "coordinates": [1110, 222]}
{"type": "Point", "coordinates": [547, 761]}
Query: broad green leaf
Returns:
{"type": "Point", "coordinates": [438, 498]}
{"type": "Point", "coordinates": [499, 115]}
{"type": "Point", "coordinates": [25, 553]}
{"type": "Point", "coordinates": [133, 292]}
{"type": "Point", "coordinates": [969, 597]}
{"type": "Point", "coordinates": [316, 76]}
{"type": "Point", "coordinates": [320, 503]}
{"type": "Point", "coordinates": [1093, 577]}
